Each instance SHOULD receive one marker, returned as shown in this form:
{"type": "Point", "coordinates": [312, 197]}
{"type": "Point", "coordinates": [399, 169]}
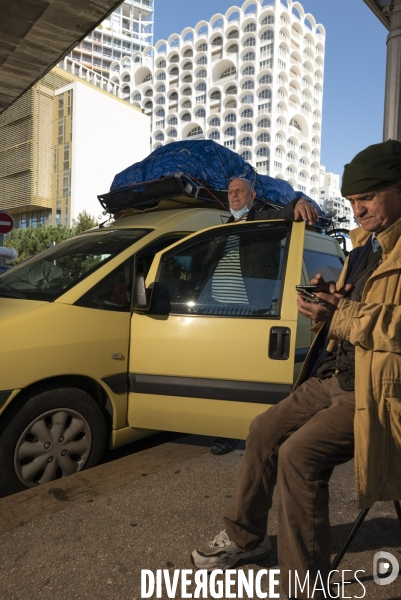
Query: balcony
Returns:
{"type": "Point", "coordinates": [215, 107]}
{"type": "Point", "coordinates": [226, 79]}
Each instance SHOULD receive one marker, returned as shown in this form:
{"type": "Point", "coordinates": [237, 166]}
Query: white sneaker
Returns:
{"type": "Point", "coordinates": [222, 553]}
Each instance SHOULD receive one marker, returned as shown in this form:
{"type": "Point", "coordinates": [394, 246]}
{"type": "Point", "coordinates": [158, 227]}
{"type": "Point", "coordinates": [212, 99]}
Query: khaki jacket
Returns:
{"type": "Point", "coordinates": [373, 326]}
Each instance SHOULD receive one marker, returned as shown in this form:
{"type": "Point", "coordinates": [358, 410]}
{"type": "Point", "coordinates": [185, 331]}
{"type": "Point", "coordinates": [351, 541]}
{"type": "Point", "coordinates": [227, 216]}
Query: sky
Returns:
{"type": "Point", "coordinates": [354, 76]}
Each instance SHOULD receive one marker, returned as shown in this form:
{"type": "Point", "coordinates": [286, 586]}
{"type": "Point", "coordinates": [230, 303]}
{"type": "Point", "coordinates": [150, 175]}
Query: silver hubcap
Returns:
{"type": "Point", "coordinates": [54, 445]}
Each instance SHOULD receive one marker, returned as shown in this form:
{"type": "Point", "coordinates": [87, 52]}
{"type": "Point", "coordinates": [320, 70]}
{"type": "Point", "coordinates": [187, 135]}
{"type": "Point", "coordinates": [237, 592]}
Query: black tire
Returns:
{"type": "Point", "coordinates": [53, 434]}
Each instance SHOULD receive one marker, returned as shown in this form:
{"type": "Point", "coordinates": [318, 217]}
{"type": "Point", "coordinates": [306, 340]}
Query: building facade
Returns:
{"type": "Point", "coordinates": [128, 29]}
{"type": "Point", "coordinates": [251, 79]}
{"type": "Point", "coordinates": [331, 200]}
{"type": "Point", "coordinates": [61, 144]}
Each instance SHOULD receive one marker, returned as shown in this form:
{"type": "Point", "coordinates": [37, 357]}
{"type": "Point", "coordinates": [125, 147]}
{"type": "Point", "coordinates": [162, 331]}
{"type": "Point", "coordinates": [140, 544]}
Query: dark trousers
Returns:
{"type": "Point", "coordinates": [295, 444]}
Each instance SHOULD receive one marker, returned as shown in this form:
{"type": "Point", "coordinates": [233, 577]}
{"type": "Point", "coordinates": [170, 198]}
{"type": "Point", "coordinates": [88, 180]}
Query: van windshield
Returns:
{"type": "Point", "coordinates": [51, 273]}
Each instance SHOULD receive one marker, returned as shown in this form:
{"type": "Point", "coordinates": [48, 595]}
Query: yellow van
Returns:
{"type": "Point", "coordinates": [134, 328]}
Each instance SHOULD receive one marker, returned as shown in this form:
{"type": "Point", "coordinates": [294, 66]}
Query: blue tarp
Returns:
{"type": "Point", "coordinates": [207, 163]}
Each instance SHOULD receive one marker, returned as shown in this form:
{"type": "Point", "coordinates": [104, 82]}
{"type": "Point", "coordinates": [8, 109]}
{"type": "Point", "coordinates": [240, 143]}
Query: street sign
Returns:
{"type": "Point", "coordinates": [6, 222]}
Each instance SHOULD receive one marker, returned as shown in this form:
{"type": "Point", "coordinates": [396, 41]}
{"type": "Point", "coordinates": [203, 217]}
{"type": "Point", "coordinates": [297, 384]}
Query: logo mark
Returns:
{"type": "Point", "coordinates": [382, 562]}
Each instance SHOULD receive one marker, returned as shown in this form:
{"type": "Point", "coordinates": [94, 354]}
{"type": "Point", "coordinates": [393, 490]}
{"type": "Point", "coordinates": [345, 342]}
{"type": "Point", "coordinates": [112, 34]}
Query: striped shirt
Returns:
{"type": "Point", "coordinates": [228, 285]}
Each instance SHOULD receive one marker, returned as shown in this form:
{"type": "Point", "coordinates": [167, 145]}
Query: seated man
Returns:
{"type": "Point", "coordinates": [348, 404]}
{"type": "Point", "coordinates": [227, 285]}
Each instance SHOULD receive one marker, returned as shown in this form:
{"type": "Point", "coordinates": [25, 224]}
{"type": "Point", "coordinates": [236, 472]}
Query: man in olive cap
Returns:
{"type": "Point", "coordinates": [346, 403]}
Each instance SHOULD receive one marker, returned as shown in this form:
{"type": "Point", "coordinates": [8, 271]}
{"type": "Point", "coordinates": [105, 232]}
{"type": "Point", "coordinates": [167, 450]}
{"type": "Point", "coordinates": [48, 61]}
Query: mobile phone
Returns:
{"type": "Point", "coordinates": [309, 289]}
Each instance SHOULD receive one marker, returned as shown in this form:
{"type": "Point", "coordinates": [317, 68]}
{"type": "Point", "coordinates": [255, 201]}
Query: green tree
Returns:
{"type": "Point", "coordinates": [83, 222]}
{"type": "Point", "coordinates": [32, 240]}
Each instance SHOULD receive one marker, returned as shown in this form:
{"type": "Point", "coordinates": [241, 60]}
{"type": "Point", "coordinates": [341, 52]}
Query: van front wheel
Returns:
{"type": "Point", "coordinates": [54, 434]}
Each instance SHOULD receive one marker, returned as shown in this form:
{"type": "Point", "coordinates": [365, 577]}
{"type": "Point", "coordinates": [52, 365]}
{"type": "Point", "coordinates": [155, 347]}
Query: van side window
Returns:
{"type": "Point", "coordinates": [328, 265]}
{"type": "Point", "coordinates": [113, 292]}
{"type": "Point", "coordinates": [238, 273]}
{"type": "Point", "coordinates": [145, 257]}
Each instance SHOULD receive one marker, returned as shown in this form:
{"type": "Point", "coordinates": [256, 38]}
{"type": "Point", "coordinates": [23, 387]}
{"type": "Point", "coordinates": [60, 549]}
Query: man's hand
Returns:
{"type": "Point", "coordinates": [329, 296]}
{"type": "Point", "coordinates": [305, 211]}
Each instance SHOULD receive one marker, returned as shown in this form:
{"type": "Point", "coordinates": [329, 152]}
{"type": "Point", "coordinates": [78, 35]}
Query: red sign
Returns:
{"type": "Point", "coordinates": [6, 222]}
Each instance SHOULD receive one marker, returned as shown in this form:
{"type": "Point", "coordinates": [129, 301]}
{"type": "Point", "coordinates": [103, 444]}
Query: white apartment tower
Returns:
{"type": "Point", "coordinates": [331, 200]}
{"type": "Point", "coordinates": [251, 79]}
{"type": "Point", "coordinates": [128, 29]}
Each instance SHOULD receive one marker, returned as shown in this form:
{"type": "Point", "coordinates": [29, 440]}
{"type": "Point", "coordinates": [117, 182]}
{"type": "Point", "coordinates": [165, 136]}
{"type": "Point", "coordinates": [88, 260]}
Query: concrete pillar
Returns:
{"type": "Point", "coordinates": [392, 103]}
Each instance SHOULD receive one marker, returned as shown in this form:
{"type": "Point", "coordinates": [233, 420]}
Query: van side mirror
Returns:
{"type": "Point", "coordinates": [140, 296]}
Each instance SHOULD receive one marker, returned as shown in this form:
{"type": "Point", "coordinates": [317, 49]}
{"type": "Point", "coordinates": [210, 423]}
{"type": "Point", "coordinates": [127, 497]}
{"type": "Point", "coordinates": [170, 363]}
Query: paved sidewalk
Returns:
{"type": "Point", "coordinates": [88, 536]}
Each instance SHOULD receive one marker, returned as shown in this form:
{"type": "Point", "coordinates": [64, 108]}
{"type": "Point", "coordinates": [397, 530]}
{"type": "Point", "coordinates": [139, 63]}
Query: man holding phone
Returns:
{"type": "Point", "coordinates": [347, 401]}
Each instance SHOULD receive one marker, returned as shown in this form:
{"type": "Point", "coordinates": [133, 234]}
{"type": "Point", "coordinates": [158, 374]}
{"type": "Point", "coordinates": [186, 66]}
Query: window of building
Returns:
{"type": "Point", "coordinates": [231, 131]}
{"type": "Point", "coordinates": [246, 155]}
{"type": "Point", "coordinates": [161, 100]}
{"type": "Point", "coordinates": [247, 127]}
{"type": "Point", "coordinates": [264, 123]}
{"type": "Point", "coordinates": [247, 113]}
{"type": "Point", "coordinates": [230, 144]}
{"type": "Point", "coordinates": [60, 130]}
{"type": "Point", "coordinates": [217, 41]}
{"type": "Point", "coordinates": [201, 87]}
{"type": "Point", "coordinates": [247, 99]}
{"type": "Point", "coordinates": [250, 27]}
{"type": "Point", "coordinates": [249, 56]}
{"type": "Point", "coordinates": [69, 102]}
{"type": "Point", "coordinates": [265, 94]}
{"type": "Point", "coordinates": [230, 118]}
{"type": "Point", "coordinates": [250, 42]}
{"type": "Point", "coordinates": [66, 157]}
{"type": "Point", "coordinates": [234, 34]}
{"type": "Point", "coordinates": [202, 60]}
{"type": "Point", "coordinates": [33, 219]}
{"type": "Point", "coordinates": [248, 71]}
{"type": "Point", "coordinates": [172, 133]}
{"type": "Point", "coordinates": [267, 35]}
{"type": "Point", "coordinates": [215, 135]}
{"type": "Point", "coordinates": [200, 113]}
{"type": "Point", "coordinates": [202, 47]}
{"type": "Point", "coordinates": [195, 131]}
{"type": "Point", "coordinates": [161, 88]}
{"type": "Point", "coordinates": [267, 64]}
{"type": "Point", "coordinates": [294, 123]}
{"type": "Point", "coordinates": [248, 85]}
{"type": "Point", "coordinates": [159, 137]}
{"type": "Point", "coordinates": [265, 79]}
{"type": "Point", "coordinates": [173, 121]}
{"type": "Point", "coordinates": [22, 221]}
{"type": "Point", "coordinates": [201, 74]}
{"type": "Point", "coordinates": [263, 152]}
{"type": "Point", "coordinates": [161, 77]}
{"type": "Point", "coordinates": [161, 64]}
{"type": "Point", "coordinates": [215, 122]}
{"type": "Point", "coordinates": [246, 141]}
{"type": "Point", "coordinates": [160, 112]}
{"type": "Point", "coordinates": [66, 184]}
{"type": "Point", "coordinates": [228, 72]}
{"type": "Point", "coordinates": [216, 95]}
{"type": "Point", "coordinates": [263, 137]}
{"type": "Point", "coordinates": [55, 159]}
{"type": "Point", "coordinates": [269, 20]}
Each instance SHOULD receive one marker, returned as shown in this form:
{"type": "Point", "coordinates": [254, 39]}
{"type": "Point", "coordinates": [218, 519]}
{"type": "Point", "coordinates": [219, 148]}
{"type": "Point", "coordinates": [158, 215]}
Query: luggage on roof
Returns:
{"type": "Point", "coordinates": [196, 171]}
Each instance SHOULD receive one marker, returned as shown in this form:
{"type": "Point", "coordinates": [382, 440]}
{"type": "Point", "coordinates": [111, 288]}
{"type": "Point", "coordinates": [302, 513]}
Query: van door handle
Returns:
{"type": "Point", "coordinates": [279, 343]}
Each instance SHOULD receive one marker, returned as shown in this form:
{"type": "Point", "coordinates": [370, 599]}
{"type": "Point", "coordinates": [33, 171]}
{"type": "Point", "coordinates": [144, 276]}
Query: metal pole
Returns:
{"type": "Point", "coordinates": [392, 103]}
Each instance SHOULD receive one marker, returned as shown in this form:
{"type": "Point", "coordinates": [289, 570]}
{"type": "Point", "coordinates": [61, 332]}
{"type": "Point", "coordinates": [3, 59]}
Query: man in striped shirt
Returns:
{"type": "Point", "coordinates": [228, 285]}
